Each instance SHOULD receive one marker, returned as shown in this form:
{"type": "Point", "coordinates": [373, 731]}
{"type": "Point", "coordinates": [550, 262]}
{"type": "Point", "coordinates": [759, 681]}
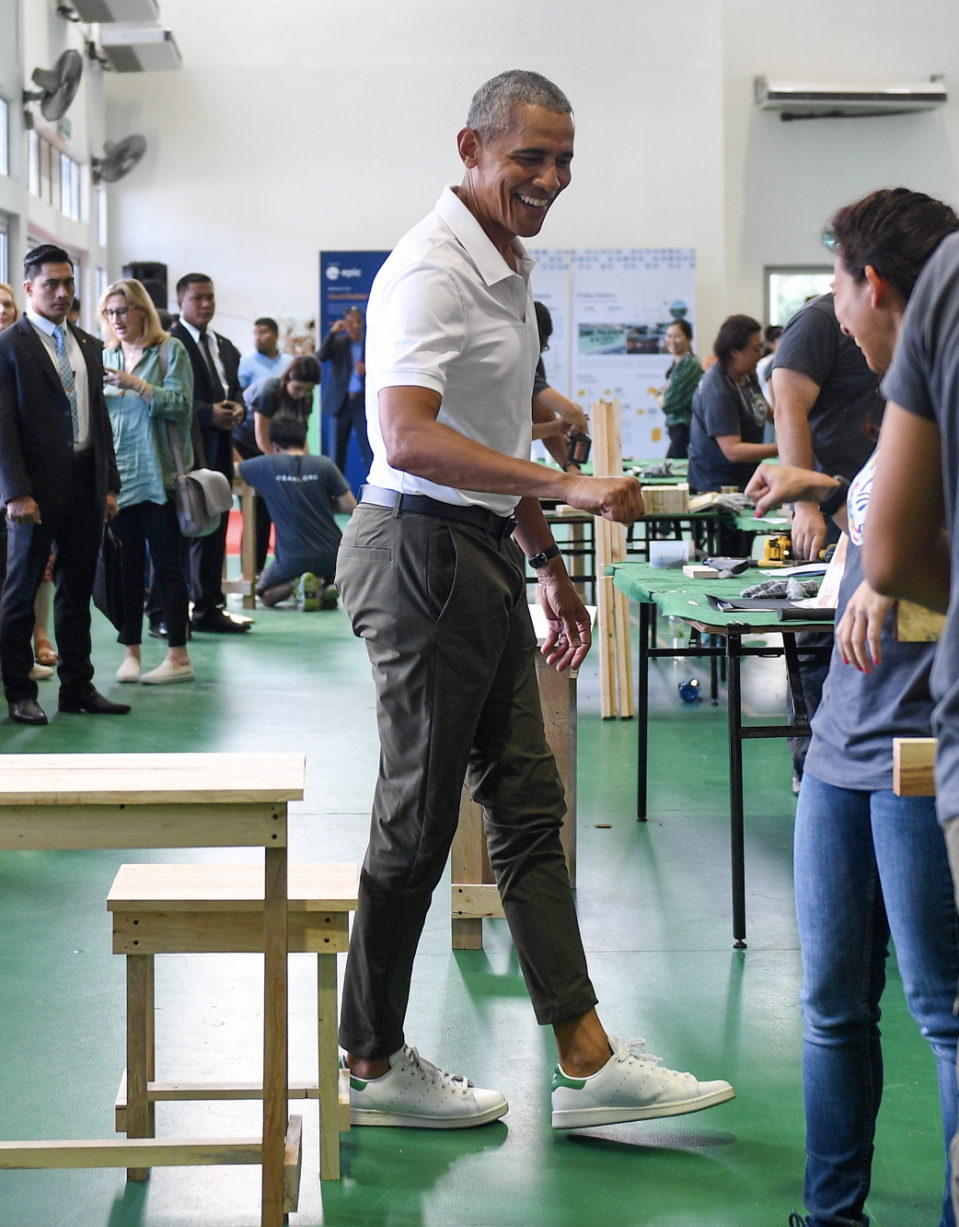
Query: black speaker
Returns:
{"type": "Point", "coordinates": [154, 278]}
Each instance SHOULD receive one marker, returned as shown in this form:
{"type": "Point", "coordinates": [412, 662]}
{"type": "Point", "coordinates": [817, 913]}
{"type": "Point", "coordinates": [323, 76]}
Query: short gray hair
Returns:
{"type": "Point", "coordinates": [494, 103]}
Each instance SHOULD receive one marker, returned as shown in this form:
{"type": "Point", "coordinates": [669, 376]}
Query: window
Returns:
{"type": "Point", "coordinates": [33, 163]}
{"type": "Point", "coordinates": [4, 250]}
{"type": "Point", "coordinates": [4, 137]}
{"type": "Point", "coordinates": [102, 281]}
{"type": "Point", "coordinates": [53, 176]}
{"type": "Point", "coordinates": [788, 288]}
{"type": "Point", "coordinates": [102, 231]}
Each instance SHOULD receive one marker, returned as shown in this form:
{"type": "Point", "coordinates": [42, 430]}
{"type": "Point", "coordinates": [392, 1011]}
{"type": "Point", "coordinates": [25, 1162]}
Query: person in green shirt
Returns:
{"type": "Point", "coordinates": [682, 380]}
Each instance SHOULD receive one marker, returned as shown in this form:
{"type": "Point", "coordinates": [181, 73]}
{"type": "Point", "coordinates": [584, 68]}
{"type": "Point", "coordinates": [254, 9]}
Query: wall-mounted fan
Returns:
{"type": "Point", "coordinates": [118, 159]}
{"type": "Point", "coordinates": [58, 85]}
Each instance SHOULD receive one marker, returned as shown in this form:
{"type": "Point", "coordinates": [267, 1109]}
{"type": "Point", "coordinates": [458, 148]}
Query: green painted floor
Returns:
{"type": "Point", "coordinates": [654, 904]}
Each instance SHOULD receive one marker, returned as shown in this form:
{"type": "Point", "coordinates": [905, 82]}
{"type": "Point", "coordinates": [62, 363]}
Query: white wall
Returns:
{"type": "Point", "coordinates": [318, 124]}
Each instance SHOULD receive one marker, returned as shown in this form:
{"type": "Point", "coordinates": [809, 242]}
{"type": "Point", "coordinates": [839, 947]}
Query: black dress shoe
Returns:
{"type": "Point", "coordinates": [158, 630]}
{"type": "Point", "coordinates": [219, 623]}
{"type": "Point", "coordinates": [94, 703]}
{"type": "Point", "coordinates": [27, 711]}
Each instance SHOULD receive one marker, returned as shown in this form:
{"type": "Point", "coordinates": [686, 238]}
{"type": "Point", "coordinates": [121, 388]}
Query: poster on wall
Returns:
{"type": "Point", "coordinates": [551, 287]}
{"type": "Point", "coordinates": [346, 278]}
{"type": "Point", "coordinates": [622, 302]}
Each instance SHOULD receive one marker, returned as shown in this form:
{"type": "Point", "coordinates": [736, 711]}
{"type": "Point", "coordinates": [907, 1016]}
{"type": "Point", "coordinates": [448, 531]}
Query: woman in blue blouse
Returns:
{"type": "Point", "coordinates": [149, 389]}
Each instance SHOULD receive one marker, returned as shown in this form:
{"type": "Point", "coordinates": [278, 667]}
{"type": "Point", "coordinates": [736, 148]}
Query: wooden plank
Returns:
{"type": "Point", "coordinates": [328, 1061]}
{"type": "Point", "coordinates": [916, 624]}
{"type": "Point", "coordinates": [141, 779]}
{"type": "Point", "coordinates": [913, 761]}
{"type": "Point", "coordinates": [131, 1152]}
{"type": "Point", "coordinates": [345, 1100]}
{"type": "Point", "coordinates": [557, 695]}
{"type": "Point", "coordinates": [476, 900]}
{"type": "Point", "coordinates": [275, 1047]}
{"type": "Point", "coordinates": [199, 1092]}
{"type": "Point", "coordinates": [248, 542]}
{"type": "Point", "coordinates": [161, 887]}
{"type": "Point", "coordinates": [469, 862]}
{"type": "Point", "coordinates": [140, 1114]}
{"type": "Point", "coordinates": [292, 1164]}
{"type": "Point", "coordinates": [225, 932]}
{"type": "Point", "coordinates": [63, 825]}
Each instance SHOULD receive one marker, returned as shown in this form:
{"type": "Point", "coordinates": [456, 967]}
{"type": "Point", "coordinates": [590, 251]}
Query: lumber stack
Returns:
{"type": "Point", "coordinates": [615, 656]}
{"type": "Point", "coordinates": [666, 500]}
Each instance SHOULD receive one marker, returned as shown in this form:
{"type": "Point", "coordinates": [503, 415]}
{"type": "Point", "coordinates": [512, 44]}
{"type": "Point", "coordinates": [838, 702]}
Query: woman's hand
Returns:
{"type": "Point", "coordinates": [126, 381]}
{"type": "Point", "coordinates": [859, 629]}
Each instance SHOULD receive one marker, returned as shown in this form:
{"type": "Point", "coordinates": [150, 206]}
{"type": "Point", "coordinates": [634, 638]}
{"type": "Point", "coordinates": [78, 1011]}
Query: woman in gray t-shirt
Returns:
{"type": "Point", "coordinates": [868, 863]}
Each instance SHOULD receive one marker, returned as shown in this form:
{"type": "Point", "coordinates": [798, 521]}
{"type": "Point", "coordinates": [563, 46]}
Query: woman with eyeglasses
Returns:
{"type": "Point", "coordinates": [149, 389]}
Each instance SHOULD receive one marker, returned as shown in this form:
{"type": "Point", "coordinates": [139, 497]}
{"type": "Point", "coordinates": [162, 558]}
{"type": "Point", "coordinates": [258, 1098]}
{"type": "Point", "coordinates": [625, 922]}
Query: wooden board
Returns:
{"type": "Point", "coordinates": [151, 932]}
{"type": "Point", "coordinates": [476, 901]}
{"type": "Point", "coordinates": [65, 825]}
{"type": "Point", "coordinates": [913, 760]}
{"type": "Point", "coordinates": [916, 624]}
{"type": "Point", "coordinates": [142, 779]}
{"type": "Point", "coordinates": [217, 888]}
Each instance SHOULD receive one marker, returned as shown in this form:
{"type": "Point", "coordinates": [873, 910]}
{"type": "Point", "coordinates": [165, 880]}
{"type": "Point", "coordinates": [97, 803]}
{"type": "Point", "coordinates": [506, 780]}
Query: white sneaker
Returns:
{"type": "Point", "coordinates": [632, 1085]}
{"type": "Point", "coordinates": [418, 1095]}
{"type": "Point", "coordinates": [129, 671]}
{"type": "Point", "coordinates": [166, 672]}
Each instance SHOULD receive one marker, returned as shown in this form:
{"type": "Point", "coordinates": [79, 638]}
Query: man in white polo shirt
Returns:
{"type": "Point", "coordinates": [433, 580]}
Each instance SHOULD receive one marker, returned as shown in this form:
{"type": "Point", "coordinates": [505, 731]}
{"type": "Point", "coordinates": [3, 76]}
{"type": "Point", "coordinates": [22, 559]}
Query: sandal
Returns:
{"type": "Point", "coordinates": [44, 652]}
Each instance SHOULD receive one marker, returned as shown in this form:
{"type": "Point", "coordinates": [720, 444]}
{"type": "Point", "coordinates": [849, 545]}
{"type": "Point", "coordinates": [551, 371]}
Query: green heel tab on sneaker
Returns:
{"type": "Point", "coordinates": [561, 1079]}
{"type": "Point", "coordinates": [357, 1084]}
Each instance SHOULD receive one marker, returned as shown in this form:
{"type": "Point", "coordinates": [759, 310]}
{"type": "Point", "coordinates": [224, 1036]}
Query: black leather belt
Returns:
{"type": "Point", "coordinates": [423, 505]}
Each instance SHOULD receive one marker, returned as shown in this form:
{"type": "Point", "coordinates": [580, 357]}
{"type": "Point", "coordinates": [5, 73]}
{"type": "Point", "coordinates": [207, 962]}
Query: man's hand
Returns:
{"type": "Point", "coordinates": [568, 637]}
{"type": "Point", "coordinates": [859, 629]}
{"type": "Point", "coordinates": [614, 498]}
{"type": "Point", "coordinates": [23, 510]}
{"type": "Point", "coordinates": [223, 415]}
{"type": "Point", "coordinates": [774, 484]}
{"type": "Point", "coordinates": [339, 326]}
{"type": "Point", "coordinates": [110, 507]}
{"type": "Point", "coordinates": [809, 531]}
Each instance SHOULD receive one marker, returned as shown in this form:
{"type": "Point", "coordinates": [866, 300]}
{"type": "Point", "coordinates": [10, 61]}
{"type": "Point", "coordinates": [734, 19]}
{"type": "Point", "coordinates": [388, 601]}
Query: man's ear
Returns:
{"type": "Point", "coordinates": [469, 144]}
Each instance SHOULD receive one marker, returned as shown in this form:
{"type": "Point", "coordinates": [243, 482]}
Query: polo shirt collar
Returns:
{"type": "Point", "coordinates": [490, 264]}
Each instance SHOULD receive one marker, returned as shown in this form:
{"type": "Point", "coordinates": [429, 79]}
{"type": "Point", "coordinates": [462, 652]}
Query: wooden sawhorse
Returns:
{"type": "Point", "coordinates": [59, 802]}
{"type": "Point", "coordinates": [474, 894]}
{"type": "Point", "coordinates": [218, 909]}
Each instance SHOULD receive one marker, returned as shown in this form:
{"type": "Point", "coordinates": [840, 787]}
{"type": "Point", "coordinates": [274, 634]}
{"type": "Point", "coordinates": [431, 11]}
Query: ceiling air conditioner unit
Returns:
{"type": "Point", "coordinates": [133, 48]}
{"type": "Point", "coordinates": [832, 100]}
{"type": "Point", "coordinates": [116, 10]}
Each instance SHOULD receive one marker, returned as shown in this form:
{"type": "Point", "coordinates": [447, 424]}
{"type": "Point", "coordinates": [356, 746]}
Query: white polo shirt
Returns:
{"type": "Point", "coordinates": [446, 312]}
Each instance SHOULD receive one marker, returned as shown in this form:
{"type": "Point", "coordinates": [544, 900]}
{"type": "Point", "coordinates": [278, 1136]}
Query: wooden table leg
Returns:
{"type": "Point", "coordinates": [275, 1063]}
{"type": "Point", "coordinates": [140, 1115]}
{"type": "Point", "coordinates": [248, 544]}
{"type": "Point", "coordinates": [469, 862]}
{"type": "Point", "coordinates": [328, 1071]}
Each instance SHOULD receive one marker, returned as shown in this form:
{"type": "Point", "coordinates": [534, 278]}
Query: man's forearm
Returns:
{"type": "Point", "coordinates": [532, 531]}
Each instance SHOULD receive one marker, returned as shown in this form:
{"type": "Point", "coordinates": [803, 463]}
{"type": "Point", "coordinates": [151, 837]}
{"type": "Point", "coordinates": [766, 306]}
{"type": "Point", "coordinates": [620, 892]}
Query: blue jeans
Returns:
{"type": "Point", "coordinates": [867, 863]}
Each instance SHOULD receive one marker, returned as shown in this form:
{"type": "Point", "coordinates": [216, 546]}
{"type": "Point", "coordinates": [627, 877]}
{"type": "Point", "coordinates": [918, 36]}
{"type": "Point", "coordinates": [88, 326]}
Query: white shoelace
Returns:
{"type": "Point", "coordinates": [432, 1074]}
{"type": "Point", "coordinates": [633, 1050]}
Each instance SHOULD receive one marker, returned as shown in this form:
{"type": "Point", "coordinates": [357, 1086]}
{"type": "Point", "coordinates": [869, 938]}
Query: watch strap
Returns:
{"type": "Point", "coordinates": [541, 559]}
{"type": "Point", "coordinates": [835, 498]}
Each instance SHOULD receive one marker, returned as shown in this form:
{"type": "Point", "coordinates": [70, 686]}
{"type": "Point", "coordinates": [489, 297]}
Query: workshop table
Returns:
{"type": "Point", "coordinates": [677, 596]}
{"type": "Point", "coordinates": [60, 802]}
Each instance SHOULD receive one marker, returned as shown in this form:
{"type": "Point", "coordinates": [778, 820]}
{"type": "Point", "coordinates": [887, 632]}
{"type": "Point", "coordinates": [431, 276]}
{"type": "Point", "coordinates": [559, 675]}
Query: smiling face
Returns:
{"type": "Point", "coordinates": [513, 178]}
{"type": "Point", "coordinates": [744, 361]}
{"type": "Point", "coordinates": [50, 291]}
{"type": "Point", "coordinates": [354, 325]}
{"type": "Point", "coordinates": [869, 311]}
{"type": "Point", "coordinates": [8, 309]}
{"type": "Point", "coordinates": [676, 342]}
{"type": "Point", "coordinates": [125, 318]}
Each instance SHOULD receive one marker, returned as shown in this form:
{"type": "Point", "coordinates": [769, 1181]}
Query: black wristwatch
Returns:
{"type": "Point", "coordinates": [541, 559]}
{"type": "Point", "coordinates": [835, 498]}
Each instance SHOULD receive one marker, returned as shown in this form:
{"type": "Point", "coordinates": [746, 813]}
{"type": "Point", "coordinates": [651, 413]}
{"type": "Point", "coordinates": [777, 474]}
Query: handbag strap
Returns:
{"type": "Point", "coordinates": [173, 431]}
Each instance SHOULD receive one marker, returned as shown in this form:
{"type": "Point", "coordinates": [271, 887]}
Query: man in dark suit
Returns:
{"type": "Point", "coordinates": [217, 407]}
{"type": "Point", "coordinates": [59, 480]}
{"type": "Point", "coordinates": [344, 384]}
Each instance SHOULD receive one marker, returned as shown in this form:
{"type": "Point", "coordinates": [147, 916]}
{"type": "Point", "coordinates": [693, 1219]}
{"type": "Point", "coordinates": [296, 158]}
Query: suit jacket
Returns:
{"type": "Point", "coordinates": [36, 433]}
{"type": "Point", "coordinates": [215, 450]}
{"type": "Point", "coordinates": [337, 355]}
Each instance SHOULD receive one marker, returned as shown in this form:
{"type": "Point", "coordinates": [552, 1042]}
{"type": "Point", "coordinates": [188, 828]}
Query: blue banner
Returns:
{"type": "Point", "coordinates": [346, 278]}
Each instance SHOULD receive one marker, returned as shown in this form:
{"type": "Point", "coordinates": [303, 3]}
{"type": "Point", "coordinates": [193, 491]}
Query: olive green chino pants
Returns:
{"type": "Point", "coordinates": [442, 607]}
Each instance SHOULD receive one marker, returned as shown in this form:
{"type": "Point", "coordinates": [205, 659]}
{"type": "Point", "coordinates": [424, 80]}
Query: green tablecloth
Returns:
{"type": "Point", "coordinates": [677, 596]}
{"type": "Point", "coordinates": [768, 526]}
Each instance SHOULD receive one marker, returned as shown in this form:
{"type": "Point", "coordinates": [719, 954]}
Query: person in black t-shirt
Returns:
{"type": "Point", "coordinates": [301, 493]}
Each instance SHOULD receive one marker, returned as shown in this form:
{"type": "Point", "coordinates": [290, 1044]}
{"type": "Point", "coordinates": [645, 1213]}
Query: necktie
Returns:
{"type": "Point", "coordinates": [218, 393]}
{"type": "Point", "coordinates": [66, 378]}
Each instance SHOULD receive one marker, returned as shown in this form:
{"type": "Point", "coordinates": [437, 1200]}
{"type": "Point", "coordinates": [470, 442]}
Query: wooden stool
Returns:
{"type": "Point", "coordinates": [218, 909]}
{"type": "Point", "coordinates": [474, 894]}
